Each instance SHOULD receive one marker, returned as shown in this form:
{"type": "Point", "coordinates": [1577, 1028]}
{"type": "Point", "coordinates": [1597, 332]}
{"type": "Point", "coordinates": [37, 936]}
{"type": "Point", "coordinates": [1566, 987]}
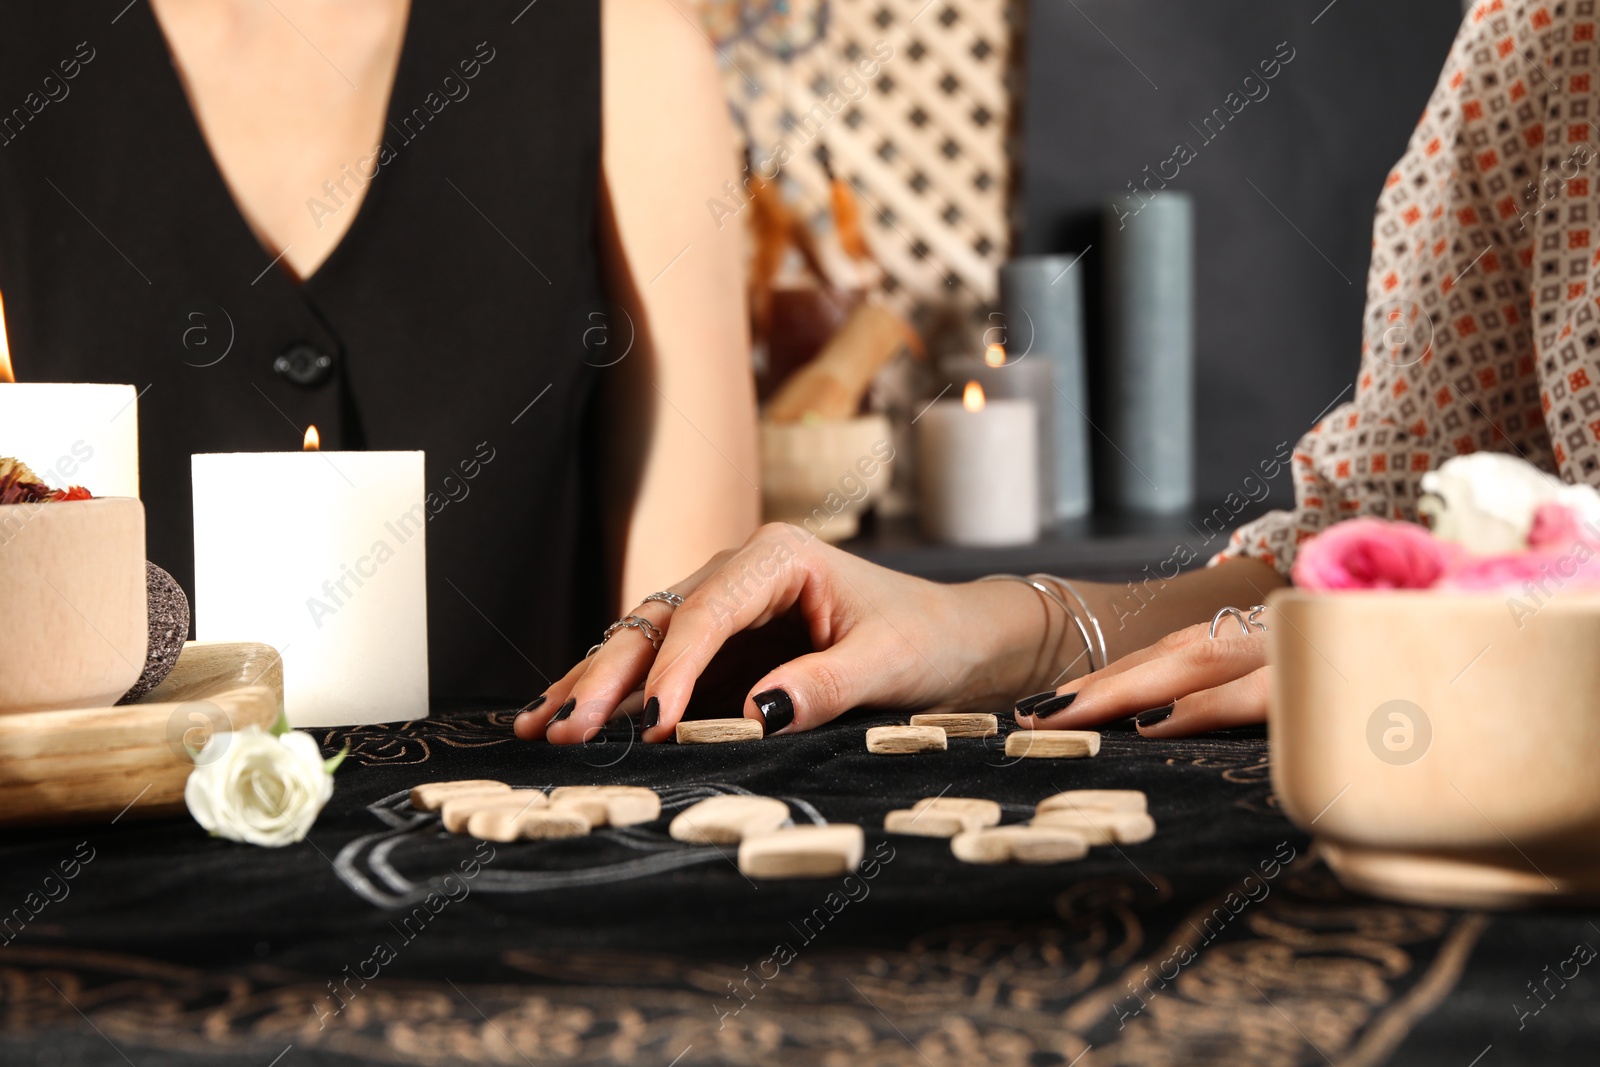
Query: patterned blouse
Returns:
{"type": "Point", "coordinates": [1482, 328]}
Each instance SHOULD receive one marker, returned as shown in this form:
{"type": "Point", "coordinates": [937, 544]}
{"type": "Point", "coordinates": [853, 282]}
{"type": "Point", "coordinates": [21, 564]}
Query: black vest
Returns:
{"type": "Point", "coordinates": [451, 318]}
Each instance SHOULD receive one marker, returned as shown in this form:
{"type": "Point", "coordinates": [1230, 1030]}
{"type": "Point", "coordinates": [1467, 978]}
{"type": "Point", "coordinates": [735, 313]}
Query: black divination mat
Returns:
{"type": "Point", "coordinates": [1221, 941]}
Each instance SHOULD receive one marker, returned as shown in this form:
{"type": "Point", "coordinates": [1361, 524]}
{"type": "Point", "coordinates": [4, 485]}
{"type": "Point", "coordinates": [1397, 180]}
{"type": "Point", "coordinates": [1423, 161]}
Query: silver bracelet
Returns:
{"type": "Point", "coordinates": [1105, 656]}
{"type": "Point", "coordinates": [1066, 609]}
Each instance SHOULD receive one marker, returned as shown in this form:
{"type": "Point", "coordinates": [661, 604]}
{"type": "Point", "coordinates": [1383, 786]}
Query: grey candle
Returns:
{"type": "Point", "coordinates": [1041, 302]}
{"type": "Point", "coordinates": [1144, 392]}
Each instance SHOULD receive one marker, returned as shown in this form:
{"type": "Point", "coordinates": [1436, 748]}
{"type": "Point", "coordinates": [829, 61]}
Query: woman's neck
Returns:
{"type": "Point", "coordinates": [290, 96]}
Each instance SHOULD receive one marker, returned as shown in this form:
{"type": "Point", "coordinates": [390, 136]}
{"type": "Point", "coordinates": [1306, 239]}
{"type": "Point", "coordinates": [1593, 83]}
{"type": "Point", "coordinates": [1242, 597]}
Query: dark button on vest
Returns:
{"type": "Point", "coordinates": [304, 364]}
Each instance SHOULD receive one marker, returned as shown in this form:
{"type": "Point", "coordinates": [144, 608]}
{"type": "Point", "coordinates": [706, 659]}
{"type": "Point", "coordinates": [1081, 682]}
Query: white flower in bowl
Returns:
{"type": "Point", "coordinates": [258, 787]}
{"type": "Point", "coordinates": [1486, 501]}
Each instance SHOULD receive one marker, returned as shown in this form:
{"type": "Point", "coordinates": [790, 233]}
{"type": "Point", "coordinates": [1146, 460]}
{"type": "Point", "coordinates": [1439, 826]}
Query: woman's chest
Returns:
{"type": "Point", "coordinates": [291, 97]}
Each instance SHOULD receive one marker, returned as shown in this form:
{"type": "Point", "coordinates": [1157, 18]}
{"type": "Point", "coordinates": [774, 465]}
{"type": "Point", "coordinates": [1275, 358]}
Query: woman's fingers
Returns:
{"type": "Point", "coordinates": [614, 672]}
{"type": "Point", "coordinates": [1156, 682]}
{"type": "Point", "coordinates": [597, 685]}
{"type": "Point", "coordinates": [1176, 641]}
{"type": "Point", "coordinates": [531, 723]}
{"type": "Point", "coordinates": [816, 688]}
{"type": "Point", "coordinates": [1173, 642]}
{"type": "Point", "coordinates": [1241, 702]}
{"type": "Point", "coordinates": [760, 581]}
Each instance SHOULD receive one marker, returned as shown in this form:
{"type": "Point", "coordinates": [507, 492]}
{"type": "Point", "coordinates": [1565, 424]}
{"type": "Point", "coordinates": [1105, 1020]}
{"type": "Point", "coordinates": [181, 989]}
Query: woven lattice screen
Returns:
{"type": "Point", "coordinates": [923, 140]}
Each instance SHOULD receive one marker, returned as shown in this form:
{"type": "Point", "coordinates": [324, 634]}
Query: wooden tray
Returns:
{"type": "Point", "coordinates": [96, 764]}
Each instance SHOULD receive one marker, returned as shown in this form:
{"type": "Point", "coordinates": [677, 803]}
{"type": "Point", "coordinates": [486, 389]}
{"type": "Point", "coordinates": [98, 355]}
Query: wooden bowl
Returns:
{"type": "Point", "coordinates": [75, 624]}
{"type": "Point", "coordinates": [822, 475]}
{"type": "Point", "coordinates": [1442, 747]}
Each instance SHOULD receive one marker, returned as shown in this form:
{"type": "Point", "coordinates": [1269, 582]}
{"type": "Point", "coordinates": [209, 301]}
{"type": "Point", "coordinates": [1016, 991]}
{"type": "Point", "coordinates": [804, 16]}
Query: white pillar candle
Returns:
{"type": "Point", "coordinates": [323, 556]}
{"type": "Point", "coordinates": [73, 434]}
{"type": "Point", "coordinates": [70, 433]}
{"type": "Point", "coordinates": [978, 470]}
{"type": "Point", "coordinates": [1028, 378]}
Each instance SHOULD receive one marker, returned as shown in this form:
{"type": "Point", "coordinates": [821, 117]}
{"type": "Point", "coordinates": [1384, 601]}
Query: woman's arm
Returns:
{"type": "Point", "coordinates": [1166, 669]}
{"type": "Point", "coordinates": [873, 637]}
{"type": "Point", "coordinates": [1448, 355]}
{"type": "Point", "coordinates": [1154, 609]}
{"type": "Point", "coordinates": [679, 450]}
{"type": "Point", "coordinates": [838, 633]}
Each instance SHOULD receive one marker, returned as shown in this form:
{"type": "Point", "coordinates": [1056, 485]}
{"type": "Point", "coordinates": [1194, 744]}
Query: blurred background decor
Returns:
{"type": "Point", "coordinates": [923, 141]}
{"type": "Point", "coordinates": [877, 172]}
{"type": "Point", "coordinates": [911, 150]}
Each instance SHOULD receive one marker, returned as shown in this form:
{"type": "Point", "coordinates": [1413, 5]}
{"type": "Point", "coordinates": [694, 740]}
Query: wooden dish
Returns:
{"type": "Point", "coordinates": [1442, 747]}
{"type": "Point", "coordinates": [96, 764]}
{"type": "Point", "coordinates": [822, 475]}
{"type": "Point", "coordinates": [73, 618]}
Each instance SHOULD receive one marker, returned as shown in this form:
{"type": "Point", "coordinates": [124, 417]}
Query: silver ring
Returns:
{"type": "Point", "coordinates": [669, 598]}
{"type": "Point", "coordinates": [1248, 623]}
{"type": "Point", "coordinates": [629, 622]}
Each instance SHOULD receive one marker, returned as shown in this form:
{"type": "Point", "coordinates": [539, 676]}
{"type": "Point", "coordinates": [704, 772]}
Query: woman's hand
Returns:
{"type": "Point", "coordinates": [1186, 683]}
{"type": "Point", "coordinates": [825, 631]}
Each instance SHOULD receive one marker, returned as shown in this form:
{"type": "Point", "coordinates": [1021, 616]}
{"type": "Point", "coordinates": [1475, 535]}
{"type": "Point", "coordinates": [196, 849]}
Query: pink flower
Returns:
{"type": "Point", "coordinates": [1571, 566]}
{"type": "Point", "coordinates": [1372, 554]}
{"type": "Point", "coordinates": [1489, 574]}
{"type": "Point", "coordinates": [1555, 528]}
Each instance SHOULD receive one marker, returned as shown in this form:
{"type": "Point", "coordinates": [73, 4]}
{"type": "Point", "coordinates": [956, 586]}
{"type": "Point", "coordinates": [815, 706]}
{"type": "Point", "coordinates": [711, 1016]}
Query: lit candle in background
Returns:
{"type": "Point", "coordinates": [1017, 375]}
{"type": "Point", "coordinates": [978, 470]}
{"type": "Point", "coordinates": [70, 433]}
{"type": "Point", "coordinates": [323, 556]}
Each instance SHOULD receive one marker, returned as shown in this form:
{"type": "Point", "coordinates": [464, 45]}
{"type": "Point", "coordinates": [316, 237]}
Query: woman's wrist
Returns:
{"type": "Point", "coordinates": [1023, 641]}
{"type": "Point", "coordinates": [1136, 615]}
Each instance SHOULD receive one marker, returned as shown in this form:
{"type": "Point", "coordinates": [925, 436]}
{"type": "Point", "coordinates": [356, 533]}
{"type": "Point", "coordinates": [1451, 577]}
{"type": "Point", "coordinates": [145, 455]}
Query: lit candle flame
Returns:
{"type": "Point", "coordinates": [972, 397]}
{"type": "Point", "coordinates": [313, 441]}
{"type": "Point", "coordinates": [995, 355]}
{"type": "Point", "coordinates": [6, 373]}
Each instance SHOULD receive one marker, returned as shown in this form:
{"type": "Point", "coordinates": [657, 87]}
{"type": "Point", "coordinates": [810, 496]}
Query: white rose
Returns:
{"type": "Point", "coordinates": [1485, 501]}
{"type": "Point", "coordinates": [257, 787]}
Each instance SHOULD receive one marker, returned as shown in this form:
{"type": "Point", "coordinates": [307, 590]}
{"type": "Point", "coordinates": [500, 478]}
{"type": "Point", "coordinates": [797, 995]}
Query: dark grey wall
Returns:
{"type": "Point", "coordinates": [1279, 325]}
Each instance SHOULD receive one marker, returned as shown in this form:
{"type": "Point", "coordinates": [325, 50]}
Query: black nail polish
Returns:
{"type": "Point", "coordinates": [652, 714]}
{"type": "Point", "coordinates": [1046, 708]}
{"type": "Point", "coordinates": [1153, 716]}
{"type": "Point", "coordinates": [1027, 704]}
{"type": "Point", "coordinates": [776, 707]}
{"type": "Point", "coordinates": [566, 709]}
{"type": "Point", "coordinates": [534, 705]}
